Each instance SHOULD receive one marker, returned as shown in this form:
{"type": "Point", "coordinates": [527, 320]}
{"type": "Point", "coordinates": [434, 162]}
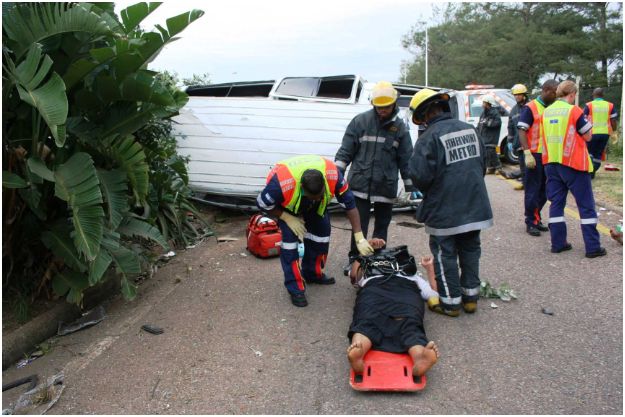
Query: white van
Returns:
{"type": "Point", "coordinates": [469, 108]}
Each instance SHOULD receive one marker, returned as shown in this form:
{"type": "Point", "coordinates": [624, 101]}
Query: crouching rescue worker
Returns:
{"type": "Point", "coordinates": [304, 185]}
{"type": "Point", "coordinates": [448, 166]}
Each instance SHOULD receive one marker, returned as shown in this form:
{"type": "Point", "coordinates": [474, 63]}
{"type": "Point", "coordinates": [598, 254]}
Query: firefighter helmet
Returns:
{"type": "Point", "coordinates": [383, 94]}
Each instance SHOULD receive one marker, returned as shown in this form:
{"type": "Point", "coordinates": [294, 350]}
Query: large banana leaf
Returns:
{"type": "Point", "coordinates": [77, 183]}
{"type": "Point", "coordinates": [130, 156]}
{"type": "Point", "coordinates": [98, 267]}
{"type": "Point", "coordinates": [28, 23]}
{"type": "Point", "coordinates": [48, 98]}
{"type": "Point", "coordinates": [115, 189]}
{"type": "Point", "coordinates": [71, 283]}
{"type": "Point", "coordinates": [60, 243]}
{"type": "Point", "coordinates": [12, 180]}
{"type": "Point", "coordinates": [126, 264]}
{"type": "Point", "coordinates": [138, 228]}
{"type": "Point", "coordinates": [133, 15]}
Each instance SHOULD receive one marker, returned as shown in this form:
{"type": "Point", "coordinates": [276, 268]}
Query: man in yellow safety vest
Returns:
{"type": "Point", "coordinates": [602, 114]}
{"type": "Point", "coordinates": [564, 133]}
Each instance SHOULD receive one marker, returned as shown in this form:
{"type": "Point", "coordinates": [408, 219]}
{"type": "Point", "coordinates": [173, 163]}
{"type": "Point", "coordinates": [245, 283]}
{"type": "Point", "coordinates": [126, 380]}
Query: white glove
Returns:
{"type": "Point", "coordinates": [364, 248]}
{"type": "Point", "coordinates": [530, 162]}
{"type": "Point", "coordinates": [295, 224]}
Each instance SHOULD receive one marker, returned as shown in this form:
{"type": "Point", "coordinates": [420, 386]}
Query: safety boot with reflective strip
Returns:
{"type": "Point", "coordinates": [434, 304]}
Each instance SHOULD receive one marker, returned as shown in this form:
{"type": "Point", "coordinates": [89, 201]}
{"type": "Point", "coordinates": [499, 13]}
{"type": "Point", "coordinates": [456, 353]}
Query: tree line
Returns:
{"type": "Point", "coordinates": [507, 43]}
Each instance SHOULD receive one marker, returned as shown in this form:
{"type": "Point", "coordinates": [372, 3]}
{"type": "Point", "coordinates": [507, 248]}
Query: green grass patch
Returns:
{"type": "Point", "coordinates": [608, 185]}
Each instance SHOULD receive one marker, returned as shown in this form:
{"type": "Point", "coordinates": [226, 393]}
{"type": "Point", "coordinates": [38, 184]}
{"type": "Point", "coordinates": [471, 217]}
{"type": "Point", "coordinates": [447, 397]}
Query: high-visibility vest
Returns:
{"type": "Point", "coordinates": [561, 142]}
{"type": "Point", "coordinates": [533, 133]}
{"type": "Point", "coordinates": [599, 112]}
{"type": "Point", "coordinates": [290, 173]}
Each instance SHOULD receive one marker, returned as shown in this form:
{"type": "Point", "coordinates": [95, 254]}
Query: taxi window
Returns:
{"type": "Point", "coordinates": [475, 105]}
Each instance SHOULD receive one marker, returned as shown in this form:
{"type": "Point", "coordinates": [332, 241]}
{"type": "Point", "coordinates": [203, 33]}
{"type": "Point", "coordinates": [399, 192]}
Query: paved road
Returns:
{"type": "Point", "coordinates": [219, 307]}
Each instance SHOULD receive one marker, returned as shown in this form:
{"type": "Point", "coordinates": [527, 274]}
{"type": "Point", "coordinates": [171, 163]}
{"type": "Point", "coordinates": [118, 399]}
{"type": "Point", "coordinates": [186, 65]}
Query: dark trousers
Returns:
{"type": "Point", "coordinates": [492, 158]}
{"type": "Point", "coordinates": [560, 180]}
{"type": "Point", "coordinates": [316, 245]}
{"type": "Point", "coordinates": [383, 213]}
{"type": "Point", "coordinates": [596, 146]}
{"type": "Point", "coordinates": [456, 285]}
{"type": "Point", "coordinates": [534, 183]}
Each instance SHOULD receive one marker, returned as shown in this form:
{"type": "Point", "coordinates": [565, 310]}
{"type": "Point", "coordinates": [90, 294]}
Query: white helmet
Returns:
{"type": "Point", "coordinates": [490, 100]}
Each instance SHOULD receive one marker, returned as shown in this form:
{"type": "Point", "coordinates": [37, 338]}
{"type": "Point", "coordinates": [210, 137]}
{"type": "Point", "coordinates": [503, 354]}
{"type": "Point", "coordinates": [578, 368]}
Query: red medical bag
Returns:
{"type": "Point", "coordinates": [263, 236]}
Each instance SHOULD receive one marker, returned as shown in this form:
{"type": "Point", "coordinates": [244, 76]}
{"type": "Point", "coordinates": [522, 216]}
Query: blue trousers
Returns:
{"type": "Point", "coordinates": [456, 286]}
{"type": "Point", "coordinates": [316, 245]}
{"type": "Point", "coordinates": [596, 146]}
{"type": "Point", "coordinates": [383, 214]}
{"type": "Point", "coordinates": [560, 180]}
{"type": "Point", "coordinates": [534, 182]}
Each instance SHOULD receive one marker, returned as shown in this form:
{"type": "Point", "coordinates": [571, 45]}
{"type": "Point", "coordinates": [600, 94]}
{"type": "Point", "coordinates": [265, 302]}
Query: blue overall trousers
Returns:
{"type": "Point", "coordinates": [535, 193]}
{"type": "Point", "coordinates": [316, 246]}
{"type": "Point", "coordinates": [561, 179]}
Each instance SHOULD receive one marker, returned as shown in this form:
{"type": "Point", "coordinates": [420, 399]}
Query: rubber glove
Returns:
{"type": "Point", "coordinates": [530, 162]}
{"type": "Point", "coordinates": [364, 248]}
{"type": "Point", "coordinates": [295, 224]}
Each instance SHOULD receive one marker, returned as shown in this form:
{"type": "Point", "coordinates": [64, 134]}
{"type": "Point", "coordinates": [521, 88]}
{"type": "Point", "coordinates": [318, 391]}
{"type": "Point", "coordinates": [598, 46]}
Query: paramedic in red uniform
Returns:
{"type": "Point", "coordinates": [534, 178]}
{"type": "Point", "coordinates": [565, 132]}
{"type": "Point", "coordinates": [602, 114]}
{"type": "Point", "coordinates": [303, 186]}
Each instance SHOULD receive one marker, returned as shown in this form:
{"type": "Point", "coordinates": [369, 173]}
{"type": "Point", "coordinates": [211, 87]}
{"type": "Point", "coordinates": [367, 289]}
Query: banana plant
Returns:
{"type": "Point", "coordinates": [76, 89]}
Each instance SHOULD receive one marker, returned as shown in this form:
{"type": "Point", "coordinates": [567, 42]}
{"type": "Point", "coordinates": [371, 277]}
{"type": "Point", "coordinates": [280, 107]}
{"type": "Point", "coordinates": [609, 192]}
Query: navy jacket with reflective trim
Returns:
{"type": "Point", "coordinates": [376, 152]}
{"type": "Point", "coordinates": [448, 166]}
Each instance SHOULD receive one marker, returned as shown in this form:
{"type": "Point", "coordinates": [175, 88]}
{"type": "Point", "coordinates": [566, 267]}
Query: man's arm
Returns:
{"type": "Point", "coordinates": [583, 126]}
{"type": "Point", "coordinates": [423, 164]}
{"type": "Point", "coordinates": [403, 155]}
{"type": "Point", "coordinates": [349, 147]}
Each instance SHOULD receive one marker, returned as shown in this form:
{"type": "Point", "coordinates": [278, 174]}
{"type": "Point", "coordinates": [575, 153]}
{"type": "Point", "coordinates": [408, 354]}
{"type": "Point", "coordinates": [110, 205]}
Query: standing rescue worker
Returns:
{"type": "Point", "coordinates": [534, 178]}
{"type": "Point", "coordinates": [602, 114]}
{"type": "Point", "coordinates": [377, 144]}
{"type": "Point", "coordinates": [519, 91]}
{"type": "Point", "coordinates": [568, 167]}
{"type": "Point", "coordinates": [489, 127]}
{"type": "Point", "coordinates": [305, 185]}
{"type": "Point", "coordinates": [448, 167]}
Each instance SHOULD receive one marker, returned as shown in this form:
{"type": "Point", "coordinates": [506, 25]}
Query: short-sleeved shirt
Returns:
{"type": "Point", "coordinates": [271, 196]}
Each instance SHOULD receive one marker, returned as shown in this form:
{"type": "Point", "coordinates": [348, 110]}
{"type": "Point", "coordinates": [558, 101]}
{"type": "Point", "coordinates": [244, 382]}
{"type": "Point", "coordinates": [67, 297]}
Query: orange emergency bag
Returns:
{"type": "Point", "coordinates": [263, 237]}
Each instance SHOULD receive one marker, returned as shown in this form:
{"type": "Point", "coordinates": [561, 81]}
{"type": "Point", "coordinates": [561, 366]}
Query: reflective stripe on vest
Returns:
{"type": "Point", "coordinates": [599, 116]}
{"type": "Point", "coordinates": [290, 173]}
{"type": "Point", "coordinates": [561, 142]}
{"type": "Point", "coordinates": [533, 133]}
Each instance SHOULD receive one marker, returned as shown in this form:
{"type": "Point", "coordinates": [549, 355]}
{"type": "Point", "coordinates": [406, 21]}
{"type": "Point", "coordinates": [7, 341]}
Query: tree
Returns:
{"type": "Point", "coordinates": [507, 43]}
{"type": "Point", "coordinates": [76, 181]}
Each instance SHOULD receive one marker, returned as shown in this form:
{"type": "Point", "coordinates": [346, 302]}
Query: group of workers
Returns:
{"type": "Point", "coordinates": [562, 149]}
{"type": "Point", "coordinates": [447, 165]}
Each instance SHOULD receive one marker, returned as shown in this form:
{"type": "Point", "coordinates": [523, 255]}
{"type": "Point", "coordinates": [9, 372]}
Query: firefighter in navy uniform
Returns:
{"type": "Point", "coordinates": [377, 144]}
{"type": "Point", "coordinates": [568, 166]}
{"type": "Point", "coordinates": [305, 185]}
{"type": "Point", "coordinates": [448, 166]}
{"type": "Point", "coordinates": [534, 179]}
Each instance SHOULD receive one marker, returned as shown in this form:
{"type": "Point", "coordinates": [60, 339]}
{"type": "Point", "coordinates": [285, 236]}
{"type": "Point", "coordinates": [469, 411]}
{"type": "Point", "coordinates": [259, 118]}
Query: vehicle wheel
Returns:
{"type": "Point", "coordinates": [512, 157]}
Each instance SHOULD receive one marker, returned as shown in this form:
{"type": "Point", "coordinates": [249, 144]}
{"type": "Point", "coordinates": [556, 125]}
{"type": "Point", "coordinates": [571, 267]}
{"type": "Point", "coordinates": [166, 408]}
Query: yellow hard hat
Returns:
{"type": "Point", "coordinates": [383, 94]}
{"type": "Point", "coordinates": [518, 89]}
{"type": "Point", "coordinates": [421, 100]}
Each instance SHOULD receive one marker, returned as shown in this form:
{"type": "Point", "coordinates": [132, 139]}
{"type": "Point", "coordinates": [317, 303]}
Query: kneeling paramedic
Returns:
{"type": "Point", "coordinates": [448, 166]}
{"type": "Point", "coordinates": [305, 185]}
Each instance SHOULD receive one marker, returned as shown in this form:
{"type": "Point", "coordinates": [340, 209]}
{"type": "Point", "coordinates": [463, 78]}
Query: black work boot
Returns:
{"type": "Point", "coordinates": [532, 230]}
{"type": "Point", "coordinates": [299, 300]}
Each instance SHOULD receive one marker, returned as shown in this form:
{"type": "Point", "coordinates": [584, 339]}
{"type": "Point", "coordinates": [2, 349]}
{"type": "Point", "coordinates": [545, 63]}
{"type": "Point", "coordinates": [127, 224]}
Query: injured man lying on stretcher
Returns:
{"type": "Point", "coordinates": [388, 314]}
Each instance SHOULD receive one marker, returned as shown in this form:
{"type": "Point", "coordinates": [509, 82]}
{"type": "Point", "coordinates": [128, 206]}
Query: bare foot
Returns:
{"type": "Point", "coordinates": [424, 358]}
{"type": "Point", "coordinates": [355, 355]}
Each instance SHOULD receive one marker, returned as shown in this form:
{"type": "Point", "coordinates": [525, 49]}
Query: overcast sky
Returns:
{"type": "Point", "coordinates": [245, 40]}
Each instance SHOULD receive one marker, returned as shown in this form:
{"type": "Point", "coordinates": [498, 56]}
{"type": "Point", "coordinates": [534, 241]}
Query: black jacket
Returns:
{"type": "Point", "coordinates": [489, 126]}
{"type": "Point", "coordinates": [447, 165]}
{"type": "Point", "coordinates": [513, 130]}
{"type": "Point", "coordinates": [376, 151]}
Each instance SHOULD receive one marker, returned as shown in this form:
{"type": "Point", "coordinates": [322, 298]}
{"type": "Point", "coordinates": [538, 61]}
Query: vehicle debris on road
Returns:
{"type": "Point", "coordinates": [88, 319]}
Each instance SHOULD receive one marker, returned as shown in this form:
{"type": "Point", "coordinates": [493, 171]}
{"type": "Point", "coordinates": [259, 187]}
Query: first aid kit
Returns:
{"type": "Point", "coordinates": [263, 236]}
